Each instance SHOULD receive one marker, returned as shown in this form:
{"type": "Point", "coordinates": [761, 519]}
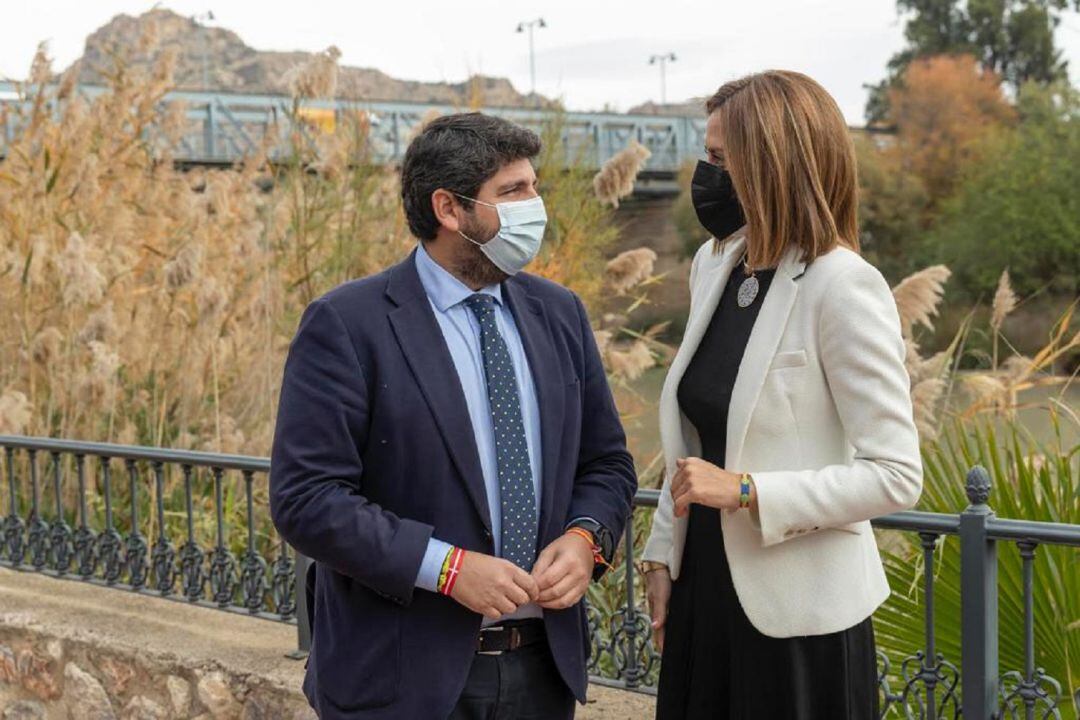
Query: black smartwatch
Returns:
{"type": "Point", "coordinates": [603, 538]}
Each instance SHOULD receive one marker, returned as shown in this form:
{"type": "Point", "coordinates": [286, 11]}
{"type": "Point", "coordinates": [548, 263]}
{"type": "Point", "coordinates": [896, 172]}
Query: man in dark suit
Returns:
{"type": "Point", "coordinates": [448, 452]}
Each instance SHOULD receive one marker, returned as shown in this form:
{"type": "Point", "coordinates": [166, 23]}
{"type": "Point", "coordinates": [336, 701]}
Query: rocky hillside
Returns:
{"type": "Point", "coordinates": [218, 58]}
{"type": "Point", "coordinates": [692, 107]}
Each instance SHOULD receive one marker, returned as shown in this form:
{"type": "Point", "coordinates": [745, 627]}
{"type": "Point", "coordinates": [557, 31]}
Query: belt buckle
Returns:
{"type": "Point", "coordinates": [515, 637]}
{"type": "Point", "coordinates": [491, 628]}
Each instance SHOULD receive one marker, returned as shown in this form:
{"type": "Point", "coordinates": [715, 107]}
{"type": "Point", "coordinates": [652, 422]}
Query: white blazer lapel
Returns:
{"type": "Point", "coordinates": [760, 348]}
{"type": "Point", "coordinates": [711, 286]}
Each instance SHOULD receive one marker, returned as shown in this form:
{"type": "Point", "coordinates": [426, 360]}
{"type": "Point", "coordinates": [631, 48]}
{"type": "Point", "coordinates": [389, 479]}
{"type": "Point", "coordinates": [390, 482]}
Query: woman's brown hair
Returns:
{"type": "Point", "coordinates": [792, 162]}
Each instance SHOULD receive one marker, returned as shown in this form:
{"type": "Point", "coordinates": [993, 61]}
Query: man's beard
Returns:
{"type": "Point", "coordinates": [470, 264]}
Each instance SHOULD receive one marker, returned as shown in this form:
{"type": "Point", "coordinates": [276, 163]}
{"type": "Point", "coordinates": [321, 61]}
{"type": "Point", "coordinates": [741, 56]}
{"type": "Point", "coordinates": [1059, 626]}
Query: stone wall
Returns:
{"type": "Point", "coordinates": [46, 677]}
{"type": "Point", "coordinates": [71, 650]}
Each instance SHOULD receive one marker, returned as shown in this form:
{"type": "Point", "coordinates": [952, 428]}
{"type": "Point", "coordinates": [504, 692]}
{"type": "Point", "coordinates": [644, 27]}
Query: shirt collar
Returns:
{"type": "Point", "coordinates": [445, 290]}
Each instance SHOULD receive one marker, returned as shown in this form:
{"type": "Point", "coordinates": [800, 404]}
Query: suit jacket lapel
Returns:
{"type": "Point", "coordinates": [421, 340]}
{"type": "Point", "coordinates": [712, 286]}
{"type": "Point", "coordinates": [760, 348]}
{"type": "Point", "coordinates": [544, 365]}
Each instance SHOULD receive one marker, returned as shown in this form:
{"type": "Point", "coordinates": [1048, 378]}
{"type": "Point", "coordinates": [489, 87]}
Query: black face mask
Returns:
{"type": "Point", "coordinates": [715, 201]}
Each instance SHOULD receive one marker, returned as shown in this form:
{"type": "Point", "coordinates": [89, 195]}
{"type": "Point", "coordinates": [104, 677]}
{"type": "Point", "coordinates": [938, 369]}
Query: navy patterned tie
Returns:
{"type": "Point", "coordinates": [517, 495]}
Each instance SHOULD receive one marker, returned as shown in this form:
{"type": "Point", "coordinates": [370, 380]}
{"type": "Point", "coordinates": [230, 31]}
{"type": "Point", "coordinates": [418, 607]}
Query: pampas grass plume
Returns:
{"type": "Point", "coordinates": [630, 268]}
{"type": "Point", "coordinates": [616, 178]}
{"type": "Point", "coordinates": [1004, 302]}
{"type": "Point", "coordinates": [918, 295]}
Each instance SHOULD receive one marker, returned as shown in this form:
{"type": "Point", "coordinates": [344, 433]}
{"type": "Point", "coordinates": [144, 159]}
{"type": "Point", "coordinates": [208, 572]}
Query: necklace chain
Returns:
{"type": "Point", "coordinates": [746, 265]}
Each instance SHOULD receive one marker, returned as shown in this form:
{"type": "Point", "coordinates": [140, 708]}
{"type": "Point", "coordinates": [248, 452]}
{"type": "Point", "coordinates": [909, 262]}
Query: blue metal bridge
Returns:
{"type": "Point", "coordinates": [222, 128]}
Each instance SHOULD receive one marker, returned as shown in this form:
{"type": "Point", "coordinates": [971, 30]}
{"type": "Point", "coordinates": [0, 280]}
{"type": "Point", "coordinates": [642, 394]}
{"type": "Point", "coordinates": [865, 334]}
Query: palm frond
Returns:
{"type": "Point", "coordinates": [1031, 480]}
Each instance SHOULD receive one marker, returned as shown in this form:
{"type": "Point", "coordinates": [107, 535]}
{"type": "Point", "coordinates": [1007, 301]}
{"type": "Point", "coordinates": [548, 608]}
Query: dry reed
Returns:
{"type": "Point", "coordinates": [997, 388]}
{"type": "Point", "coordinates": [630, 268]}
{"type": "Point", "coordinates": [616, 178]}
{"type": "Point", "coordinates": [154, 306]}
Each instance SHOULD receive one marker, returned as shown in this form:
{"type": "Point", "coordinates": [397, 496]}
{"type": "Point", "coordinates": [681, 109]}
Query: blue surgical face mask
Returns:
{"type": "Point", "coordinates": [521, 230]}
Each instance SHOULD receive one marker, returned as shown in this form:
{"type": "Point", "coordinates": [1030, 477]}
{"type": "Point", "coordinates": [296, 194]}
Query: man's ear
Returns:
{"type": "Point", "coordinates": [446, 208]}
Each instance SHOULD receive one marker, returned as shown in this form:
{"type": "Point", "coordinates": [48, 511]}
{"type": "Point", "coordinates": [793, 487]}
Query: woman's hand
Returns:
{"type": "Point", "coordinates": [701, 482]}
{"type": "Point", "coordinates": [658, 594]}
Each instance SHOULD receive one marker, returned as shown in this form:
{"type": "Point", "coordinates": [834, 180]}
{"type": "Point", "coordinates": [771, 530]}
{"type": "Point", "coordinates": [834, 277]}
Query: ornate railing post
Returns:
{"type": "Point", "coordinates": [14, 538]}
{"type": "Point", "coordinates": [135, 547]}
{"type": "Point", "coordinates": [303, 628]}
{"type": "Point", "coordinates": [162, 555]}
{"type": "Point", "coordinates": [37, 531]}
{"type": "Point", "coordinates": [85, 540]}
{"type": "Point", "coordinates": [931, 662]}
{"type": "Point", "coordinates": [632, 673]}
{"type": "Point", "coordinates": [60, 548]}
{"type": "Point", "coordinates": [223, 576]}
{"type": "Point", "coordinates": [253, 582]}
{"type": "Point", "coordinates": [978, 603]}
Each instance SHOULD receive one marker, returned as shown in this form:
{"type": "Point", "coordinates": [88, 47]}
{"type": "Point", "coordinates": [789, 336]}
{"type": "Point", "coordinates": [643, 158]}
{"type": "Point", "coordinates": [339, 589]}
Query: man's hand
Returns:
{"type": "Point", "coordinates": [563, 571]}
{"type": "Point", "coordinates": [492, 586]}
{"type": "Point", "coordinates": [658, 593]}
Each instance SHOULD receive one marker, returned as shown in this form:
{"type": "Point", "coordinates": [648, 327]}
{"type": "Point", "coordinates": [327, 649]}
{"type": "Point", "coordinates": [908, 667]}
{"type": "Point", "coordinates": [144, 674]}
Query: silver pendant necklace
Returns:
{"type": "Point", "coordinates": [748, 288]}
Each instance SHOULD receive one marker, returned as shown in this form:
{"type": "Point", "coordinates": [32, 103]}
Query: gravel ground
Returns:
{"type": "Point", "coordinates": [611, 704]}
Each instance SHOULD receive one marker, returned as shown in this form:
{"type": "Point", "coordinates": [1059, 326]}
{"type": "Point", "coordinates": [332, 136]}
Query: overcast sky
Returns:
{"type": "Point", "coordinates": [593, 53]}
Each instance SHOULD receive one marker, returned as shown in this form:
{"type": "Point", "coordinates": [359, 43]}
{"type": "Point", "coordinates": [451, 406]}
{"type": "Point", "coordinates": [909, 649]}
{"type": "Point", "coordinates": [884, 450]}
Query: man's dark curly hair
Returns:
{"type": "Point", "coordinates": [458, 153]}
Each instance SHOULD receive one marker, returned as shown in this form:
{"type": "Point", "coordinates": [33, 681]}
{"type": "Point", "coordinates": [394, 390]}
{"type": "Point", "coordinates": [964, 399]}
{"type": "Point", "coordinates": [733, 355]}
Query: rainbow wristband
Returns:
{"type": "Point", "coordinates": [744, 491]}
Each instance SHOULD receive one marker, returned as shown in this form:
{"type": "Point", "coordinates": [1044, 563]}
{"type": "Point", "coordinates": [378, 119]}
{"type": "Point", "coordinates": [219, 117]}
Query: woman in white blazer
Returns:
{"type": "Point", "coordinates": [786, 424]}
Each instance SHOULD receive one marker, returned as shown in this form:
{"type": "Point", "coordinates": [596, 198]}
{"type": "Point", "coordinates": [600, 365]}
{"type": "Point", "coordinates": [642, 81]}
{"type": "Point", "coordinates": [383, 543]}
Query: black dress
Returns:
{"type": "Point", "coordinates": [716, 665]}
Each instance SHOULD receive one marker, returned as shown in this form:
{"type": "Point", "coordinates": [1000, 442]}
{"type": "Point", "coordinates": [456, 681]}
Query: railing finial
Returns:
{"type": "Point", "coordinates": [978, 485]}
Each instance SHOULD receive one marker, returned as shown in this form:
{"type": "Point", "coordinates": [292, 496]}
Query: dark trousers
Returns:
{"type": "Point", "coordinates": [521, 684]}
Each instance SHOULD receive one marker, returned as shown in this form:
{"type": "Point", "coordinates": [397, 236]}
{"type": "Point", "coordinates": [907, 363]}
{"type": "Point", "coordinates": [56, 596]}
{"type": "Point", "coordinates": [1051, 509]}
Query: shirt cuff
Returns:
{"type": "Point", "coordinates": [578, 519]}
{"type": "Point", "coordinates": [431, 565]}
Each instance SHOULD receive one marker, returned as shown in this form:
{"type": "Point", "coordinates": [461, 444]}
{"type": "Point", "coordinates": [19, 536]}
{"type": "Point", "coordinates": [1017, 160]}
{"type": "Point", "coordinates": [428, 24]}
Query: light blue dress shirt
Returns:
{"type": "Point", "coordinates": [461, 330]}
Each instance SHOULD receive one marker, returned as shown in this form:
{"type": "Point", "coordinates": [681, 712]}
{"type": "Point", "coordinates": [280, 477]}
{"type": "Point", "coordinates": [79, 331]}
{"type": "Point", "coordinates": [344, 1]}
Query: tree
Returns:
{"type": "Point", "coordinates": [941, 111]}
{"type": "Point", "coordinates": [1012, 38]}
{"type": "Point", "coordinates": [892, 209]}
{"type": "Point", "coordinates": [1018, 207]}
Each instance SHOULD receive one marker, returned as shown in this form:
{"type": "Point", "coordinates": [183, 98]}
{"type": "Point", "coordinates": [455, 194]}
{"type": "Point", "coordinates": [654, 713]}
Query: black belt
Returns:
{"type": "Point", "coordinates": [510, 636]}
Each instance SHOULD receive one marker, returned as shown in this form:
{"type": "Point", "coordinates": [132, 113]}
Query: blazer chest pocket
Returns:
{"type": "Point", "coordinates": [790, 359]}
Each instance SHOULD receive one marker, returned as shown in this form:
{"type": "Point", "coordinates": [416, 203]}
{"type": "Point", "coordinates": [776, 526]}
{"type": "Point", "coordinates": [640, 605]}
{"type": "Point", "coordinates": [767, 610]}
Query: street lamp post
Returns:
{"type": "Point", "coordinates": [662, 61]}
{"type": "Point", "coordinates": [205, 17]}
{"type": "Point", "coordinates": [210, 123]}
{"type": "Point", "coordinates": [530, 25]}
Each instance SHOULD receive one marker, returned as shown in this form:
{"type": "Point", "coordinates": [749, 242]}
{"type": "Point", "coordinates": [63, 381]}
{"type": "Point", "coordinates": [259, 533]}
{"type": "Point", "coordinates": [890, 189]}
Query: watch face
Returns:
{"type": "Point", "coordinates": [603, 538]}
{"type": "Point", "coordinates": [599, 532]}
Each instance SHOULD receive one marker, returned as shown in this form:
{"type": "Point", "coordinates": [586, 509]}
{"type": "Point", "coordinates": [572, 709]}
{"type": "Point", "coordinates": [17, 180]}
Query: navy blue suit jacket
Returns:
{"type": "Point", "coordinates": [374, 452]}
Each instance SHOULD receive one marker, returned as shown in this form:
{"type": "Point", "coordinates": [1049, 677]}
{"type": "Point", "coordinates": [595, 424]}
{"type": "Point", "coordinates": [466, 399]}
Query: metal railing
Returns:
{"type": "Point", "coordinates": [222, 128]}
{"type": "Point", "coordinates": [187, 530]}
{"type": "Point", "coordinates": [181, 556]}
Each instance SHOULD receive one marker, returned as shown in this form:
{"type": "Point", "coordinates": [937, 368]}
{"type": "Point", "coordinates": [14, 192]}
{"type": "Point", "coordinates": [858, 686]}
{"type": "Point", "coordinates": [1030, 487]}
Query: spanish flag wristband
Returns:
{"type": "Point", "coordinates": [598, 555]}
{"type": "Point", "coordinates": [452, 568]}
